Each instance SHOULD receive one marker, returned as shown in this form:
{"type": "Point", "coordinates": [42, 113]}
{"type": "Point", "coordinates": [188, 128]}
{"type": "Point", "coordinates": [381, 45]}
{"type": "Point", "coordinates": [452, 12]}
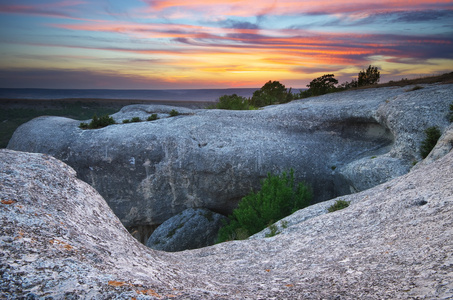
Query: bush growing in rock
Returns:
{"type": "Point", "coordinates": [136, 120]}
{"type": "Point", "coordinates": [339, 204]}
{"type": "Point", "coordinates": [432, 136]}
{"type": "Point", "coordinates": [153, 117]}
{"type": "Point", "coordinates": [279, 197]}
{"type": "Point", "coordinates": [174, 113]}
{"type": "Point", "coordinates": [98, 122]}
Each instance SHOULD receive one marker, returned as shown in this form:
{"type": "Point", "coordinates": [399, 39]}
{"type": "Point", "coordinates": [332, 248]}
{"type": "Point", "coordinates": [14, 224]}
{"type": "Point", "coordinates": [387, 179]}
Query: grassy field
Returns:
{"type": "Point", "coordinates": [13, 114]}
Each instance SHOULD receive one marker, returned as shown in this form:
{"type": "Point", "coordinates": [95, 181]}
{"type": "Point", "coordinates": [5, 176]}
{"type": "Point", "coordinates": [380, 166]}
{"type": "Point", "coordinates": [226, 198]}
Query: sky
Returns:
{"type": "Point", "coordinates": [170, 44]}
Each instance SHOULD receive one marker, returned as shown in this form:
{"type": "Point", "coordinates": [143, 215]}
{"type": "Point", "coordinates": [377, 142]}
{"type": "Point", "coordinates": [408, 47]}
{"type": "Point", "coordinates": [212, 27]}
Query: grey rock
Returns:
{"type": "Point", "coordinates": [193, 228]}
{"type": "Point", "coordinates": [59, 239]}
{"type": "Point", "coordinates": [150, 171]}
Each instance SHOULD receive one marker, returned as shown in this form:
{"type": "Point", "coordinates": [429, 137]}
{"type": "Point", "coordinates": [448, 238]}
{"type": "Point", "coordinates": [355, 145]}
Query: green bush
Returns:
{"type": "Point", "coordinates": [98, 122]}
{"type": "Point", "coordinates": [233, 102]}
{"type": "Point", "coordinates": [174, 113]}
{"type": "Point", "coordinates": [126, 121]}
{"type": "Point", "coordinates": [339, 204]}
{"type": "Point", "coordinates": [279, 197]}
{"type": "Point", "coordinates": [136, 120]}
{"type": "Point", "coordinates": [432, 136]}
{"type": "Point", "coordinates": [272, 92]}
{"type": "Point", "coordinates": [153, 117]}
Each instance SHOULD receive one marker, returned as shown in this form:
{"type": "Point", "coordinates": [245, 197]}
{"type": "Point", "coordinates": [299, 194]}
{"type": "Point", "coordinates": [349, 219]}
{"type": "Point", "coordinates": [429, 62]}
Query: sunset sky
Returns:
{"type": "Point", "coordinates": [147, 44]}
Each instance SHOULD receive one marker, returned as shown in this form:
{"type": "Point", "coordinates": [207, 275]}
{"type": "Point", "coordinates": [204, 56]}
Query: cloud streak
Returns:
{"type": "Point", "coordinates": [221, 41]}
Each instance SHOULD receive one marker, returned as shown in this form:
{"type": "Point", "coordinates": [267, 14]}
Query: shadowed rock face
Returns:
{"type": "Point", "coordinates": [190, 229]}
{"type": "Point", "coordinates": [60, 239]}
{"type": "Point", "coordinates": [338, 143]}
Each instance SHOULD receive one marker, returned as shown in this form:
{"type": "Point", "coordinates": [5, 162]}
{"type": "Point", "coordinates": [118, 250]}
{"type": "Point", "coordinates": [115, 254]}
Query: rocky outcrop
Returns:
{"type": "Point", "coordinates": [191, 229]}
{"type": "Point", "coordinates": [149, 171]}
{"type": "Point", "coordinates": [59, 239]}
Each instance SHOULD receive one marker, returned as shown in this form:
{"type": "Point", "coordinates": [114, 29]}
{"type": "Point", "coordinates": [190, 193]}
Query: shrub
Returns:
{"type": "Point", "coordinates": [98, 122]}
{"type": "Point", "coordinates": [432, 136]}
{"type": "Point", "coordinates": [339, 204]}
{"type": "Point", "coordinates": [174, 113]}
{"type": "Point", "coordinates": [126, 121]}
{"type": "Point", "coordinates": [153, 117]}
{"type": "Point", "coordinates": [135, 119]}
{"type": "Point", "coordinates": [234, 102]}
{"type": "Point", "coordinates": [279, 197]}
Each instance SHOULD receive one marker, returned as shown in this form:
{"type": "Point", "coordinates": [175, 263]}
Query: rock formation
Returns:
{"type": "Point", "coordinates": [190, 229]}
{"type": "Point", "coordinates": [60, 239]}
{"type": "Point", "coordinates": [149, 171]}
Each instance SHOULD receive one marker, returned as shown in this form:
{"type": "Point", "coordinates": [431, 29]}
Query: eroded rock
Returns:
{"type": "Point", "coordinates": [149, 171]}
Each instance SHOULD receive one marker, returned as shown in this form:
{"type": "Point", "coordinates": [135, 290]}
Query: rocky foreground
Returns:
{"type": "Point", "coordinates": [60, 240]}
{"type": "Point", "coordinates": [149, 172]}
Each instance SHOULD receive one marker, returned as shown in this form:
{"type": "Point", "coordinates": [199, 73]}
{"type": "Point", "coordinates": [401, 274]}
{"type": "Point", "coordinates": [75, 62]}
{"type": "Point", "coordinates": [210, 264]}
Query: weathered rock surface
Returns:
{"type": "Point", "coordinates": [59, 239]}
{"type": "Point", "coordinates": [191, 229]}
{"type": "Point", "coordinates": [339, 143]}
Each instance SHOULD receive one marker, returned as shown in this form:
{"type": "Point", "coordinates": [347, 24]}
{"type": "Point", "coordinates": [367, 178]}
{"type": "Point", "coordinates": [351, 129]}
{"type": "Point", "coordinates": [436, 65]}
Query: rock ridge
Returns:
{"type": "Point", "coordinates": [150, 171]}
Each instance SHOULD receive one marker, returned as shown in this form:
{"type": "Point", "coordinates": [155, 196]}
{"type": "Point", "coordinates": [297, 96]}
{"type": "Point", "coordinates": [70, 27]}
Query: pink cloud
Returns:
{"type": "Point", "coordinates": [254, 8]}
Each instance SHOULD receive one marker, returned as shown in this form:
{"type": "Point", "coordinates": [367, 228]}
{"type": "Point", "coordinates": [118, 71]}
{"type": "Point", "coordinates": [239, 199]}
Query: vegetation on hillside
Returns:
{"type": "Point", "coordinates": [273, 92]}
{"type": "Point", "coordinates": [432, 135]}
{"type": "Point", "coordinates": [279, 197]}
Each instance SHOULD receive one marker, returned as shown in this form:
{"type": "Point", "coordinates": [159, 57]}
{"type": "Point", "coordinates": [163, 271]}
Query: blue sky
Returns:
{"type": "Point", "coordinates": [150, 44]}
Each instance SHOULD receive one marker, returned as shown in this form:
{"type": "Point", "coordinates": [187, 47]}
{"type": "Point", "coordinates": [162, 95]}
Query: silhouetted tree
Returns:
{"type": "Point", "coordinates": [322, 85]}
{"type": "Point", "coordinates": [369, 76]}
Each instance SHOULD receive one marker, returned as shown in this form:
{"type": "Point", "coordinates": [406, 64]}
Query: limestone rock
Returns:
{"type": "Point", "coordinates": [190, 229]}
{"type": "Point", "coordinates": [59, 239]}
{"type": "Point", "coordinates": [151, 171]}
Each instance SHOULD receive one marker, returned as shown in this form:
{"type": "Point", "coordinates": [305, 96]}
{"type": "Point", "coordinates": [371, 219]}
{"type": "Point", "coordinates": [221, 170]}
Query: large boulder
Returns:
{"type": "Point", "coordinates": [193, 228]}
{"type": "Point", "coordinates": [149, 171]}
{"type": "Point", "coordinates": [60, 240]}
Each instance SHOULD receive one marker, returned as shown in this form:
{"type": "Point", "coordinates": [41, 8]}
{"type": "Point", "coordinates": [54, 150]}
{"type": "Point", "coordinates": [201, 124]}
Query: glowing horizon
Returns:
{"type": "Point", "coordinates": [150, 44]}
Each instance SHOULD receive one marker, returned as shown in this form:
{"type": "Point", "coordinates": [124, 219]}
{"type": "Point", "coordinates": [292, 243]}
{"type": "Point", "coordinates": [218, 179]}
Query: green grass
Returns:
{"type": "Point", "coordinates": [12, 118]}
{"type": "Point", "coordinates": [338, 205]}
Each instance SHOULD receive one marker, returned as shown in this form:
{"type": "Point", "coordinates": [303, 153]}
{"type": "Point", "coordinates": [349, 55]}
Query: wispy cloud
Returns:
{"type": "Point", "coordinates": [62, 9]}
{"type": "Point", "coordinates": [220, 41]}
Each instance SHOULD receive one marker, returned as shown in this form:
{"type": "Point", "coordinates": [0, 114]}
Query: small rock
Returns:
{"type": "Point", "coordinates": [193, 228]}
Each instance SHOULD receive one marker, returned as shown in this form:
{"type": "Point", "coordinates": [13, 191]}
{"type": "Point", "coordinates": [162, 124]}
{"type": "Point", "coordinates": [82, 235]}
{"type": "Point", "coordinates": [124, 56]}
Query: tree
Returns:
{"type": "Point", "coordinates": [369, 76]}
{"type": "Point", "coordinates": [271, 92]}
{"type": "Point", "coordinates": [322, 85]}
